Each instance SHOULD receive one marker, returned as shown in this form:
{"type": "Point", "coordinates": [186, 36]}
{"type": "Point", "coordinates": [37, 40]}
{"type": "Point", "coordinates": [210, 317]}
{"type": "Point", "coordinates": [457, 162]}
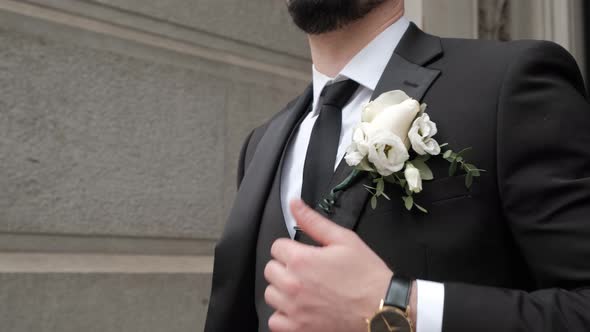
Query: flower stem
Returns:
{"type": "Point", "coordinates": [347, 182]}
{"type": "Point", "coordinates": [328, 203]}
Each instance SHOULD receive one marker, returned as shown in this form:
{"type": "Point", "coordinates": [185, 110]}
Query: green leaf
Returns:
{"type": "Point", "coordinates": [380, 186]}
{"type": "Point", "coordinates": [453, 168]}
{"type": "Point", "coordinates": [390, 179]}
{"type": "Point", "coordinates": [472, 170]}
{"type": "Point", "coordinates": [400, 179]}
{"type": "Point", "coordinates": [423, 108]}
{"type": "Point", "coordinates": [447, 154]}
{"type": "Point", "coordinates": [408, 202]}
{"type": "Point", "coordinates": [423, 158]}
{"type": "Point", "coordinates": [468, 180]}
{"type": "Point", "coordinates": [374, 202]}
{"type": "Point", "coordinates": [370, 191]}
{"type": "Point", "coordinates": [425, 171]}
{"type": "Point", "coordinates": [462, 152]}
{"type": "Point", "coordinates": [420, 208]}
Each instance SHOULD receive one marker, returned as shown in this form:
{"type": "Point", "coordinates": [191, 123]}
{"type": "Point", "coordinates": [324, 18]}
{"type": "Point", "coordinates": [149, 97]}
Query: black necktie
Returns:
{"type": "Point", "coordinates": [323, 144]}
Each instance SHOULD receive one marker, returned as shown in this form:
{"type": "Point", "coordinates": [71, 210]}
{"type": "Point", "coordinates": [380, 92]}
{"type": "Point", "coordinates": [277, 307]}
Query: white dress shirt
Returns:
{"type": "Point", "coordinates": [365, 68]}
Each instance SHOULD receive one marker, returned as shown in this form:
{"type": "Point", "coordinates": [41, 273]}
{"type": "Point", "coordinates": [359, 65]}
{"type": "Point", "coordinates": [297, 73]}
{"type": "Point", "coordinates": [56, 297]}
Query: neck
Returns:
{"type": "Point", "coordinates": [331, 51]}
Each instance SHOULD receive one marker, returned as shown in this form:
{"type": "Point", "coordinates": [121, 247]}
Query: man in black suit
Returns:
{"type": "Point", "coordinates": [511, 253]}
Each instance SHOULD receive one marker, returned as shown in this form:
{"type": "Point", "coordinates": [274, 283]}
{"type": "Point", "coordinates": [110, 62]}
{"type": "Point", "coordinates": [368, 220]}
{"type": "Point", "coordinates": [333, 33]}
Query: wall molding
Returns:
{"type": "Point", "coordinates": [164, 42]}
{"type": "Point", "coordinates": [84, 263]}
{"type": "Point", "coordinates": [82, 243]}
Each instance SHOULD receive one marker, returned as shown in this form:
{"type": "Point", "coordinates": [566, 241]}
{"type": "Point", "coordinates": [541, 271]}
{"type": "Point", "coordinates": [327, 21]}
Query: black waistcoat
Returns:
{"type": "Point", "coordinates": [272, 227]}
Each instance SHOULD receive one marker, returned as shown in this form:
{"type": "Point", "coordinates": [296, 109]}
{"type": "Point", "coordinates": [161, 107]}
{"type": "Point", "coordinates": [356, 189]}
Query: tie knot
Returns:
{"type": "Point", "coordinates": [339, 93]}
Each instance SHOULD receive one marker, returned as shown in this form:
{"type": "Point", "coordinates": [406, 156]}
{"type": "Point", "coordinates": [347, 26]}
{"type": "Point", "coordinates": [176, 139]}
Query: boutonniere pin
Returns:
{"type": "Point", "coordinates": [391, 126]}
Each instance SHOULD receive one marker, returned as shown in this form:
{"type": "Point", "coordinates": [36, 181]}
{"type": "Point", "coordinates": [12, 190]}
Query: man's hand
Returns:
{"type": "Point", "coordinates": [335, 287]}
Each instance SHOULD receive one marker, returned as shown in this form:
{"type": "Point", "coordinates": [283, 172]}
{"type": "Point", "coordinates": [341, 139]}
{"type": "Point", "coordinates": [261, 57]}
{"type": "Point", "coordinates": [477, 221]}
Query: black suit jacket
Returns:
{"type": "Point", "coordinates": [514, 251]}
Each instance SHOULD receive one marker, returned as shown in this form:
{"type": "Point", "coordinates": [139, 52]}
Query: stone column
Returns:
{"type": "Point", "coordinates": [558, 21]}
{"type": "Point", "coordinates": [494, 19]}
{"type": "Point", "coordinates": [554, 20]}
{"type": "Point", "coordinates": [447, 18]}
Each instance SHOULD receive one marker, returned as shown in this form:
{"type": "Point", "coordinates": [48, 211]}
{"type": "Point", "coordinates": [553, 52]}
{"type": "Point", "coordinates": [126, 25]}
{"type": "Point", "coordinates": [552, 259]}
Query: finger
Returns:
{"type": "Point", "coordinates": [277, 300]}
{"type": "Point", "coordinates": [322, 230]}
{"type": "Point", "coordinates": [278, 276]}
{"type": "Point", "coordinates": [279, 322]}
{"type": "Point", "coordinates": [286, 250]}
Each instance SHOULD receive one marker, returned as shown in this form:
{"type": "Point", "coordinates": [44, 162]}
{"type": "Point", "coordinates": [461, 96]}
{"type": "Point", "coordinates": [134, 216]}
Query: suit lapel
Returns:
{"type": "Point", "coordinates": [405, 71]}
{"type": "Point", "coordinates": [253, 192]}
{"type": "Point", "coordinates": [238, 242]}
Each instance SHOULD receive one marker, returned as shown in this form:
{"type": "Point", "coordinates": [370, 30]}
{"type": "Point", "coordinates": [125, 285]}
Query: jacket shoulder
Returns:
{"type": "Point", "coordinates": [259, 131]}
{"type": "Point", "coordinates": [500, 51]}
{"type": "Point", "coordinates": [251, 142]}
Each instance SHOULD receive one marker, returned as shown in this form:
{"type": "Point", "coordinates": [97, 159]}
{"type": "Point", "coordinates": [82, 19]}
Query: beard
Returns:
{"type": "Point", "coordinates": [321, 16]}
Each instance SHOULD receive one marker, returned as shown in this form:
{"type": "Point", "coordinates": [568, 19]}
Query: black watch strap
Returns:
{"type": "Point", "coordinates": [398, 294]}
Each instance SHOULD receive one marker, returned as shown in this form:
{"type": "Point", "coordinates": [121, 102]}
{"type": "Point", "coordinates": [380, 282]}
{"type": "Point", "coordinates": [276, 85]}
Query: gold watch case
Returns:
{"type": "Point", "coordinates": [390, 319]}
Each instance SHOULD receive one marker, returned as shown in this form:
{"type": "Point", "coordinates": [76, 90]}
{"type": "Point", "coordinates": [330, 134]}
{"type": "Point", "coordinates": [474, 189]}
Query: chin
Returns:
{"type": "Point", "coordinates": [322, 16]}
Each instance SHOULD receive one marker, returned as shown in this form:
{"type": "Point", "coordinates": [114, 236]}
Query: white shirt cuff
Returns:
{"type": "Point", "coordinates": [431, 301]}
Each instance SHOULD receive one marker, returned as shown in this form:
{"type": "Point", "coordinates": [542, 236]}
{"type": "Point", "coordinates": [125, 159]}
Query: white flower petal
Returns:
{"type": "Point", "coordinates": [382, 102]}
{"type": "Point", "coordinates": [387, 152]}
{"type": "Point", "coordinates": [412, 175]}
{"type": "Point", "coordinates": [421, 134]}
{"type": "Point", "coordinates": [397, 118]}
{"type": "Point", "coordinates": [353, 159]}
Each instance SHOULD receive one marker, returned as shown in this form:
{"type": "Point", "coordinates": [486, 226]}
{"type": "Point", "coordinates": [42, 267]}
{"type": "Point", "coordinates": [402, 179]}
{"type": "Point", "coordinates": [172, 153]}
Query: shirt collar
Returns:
{"type": "Point", "coordinates": [367, 66]}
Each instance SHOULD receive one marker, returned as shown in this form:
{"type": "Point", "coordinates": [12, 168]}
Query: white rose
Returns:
{"type": "Point", "coordinates": [380, 143]}
{"type": "Point", "coordinates": [387, 152]}
{"type": "Point", "coordinates": [413, 177]}
{"type": "Point", "coordinates": [421, 135]}
{"type": "Point", "coordinates": [387, 99]}
{"type": "Point", "coordinates": [394, 112]}
{"type": "Point", "coordinates": [357, 152]}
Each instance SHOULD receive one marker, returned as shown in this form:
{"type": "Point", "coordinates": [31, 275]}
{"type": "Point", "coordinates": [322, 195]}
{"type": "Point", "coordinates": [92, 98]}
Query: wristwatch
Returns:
{"type": "Point", "coordinates": [394, 310]}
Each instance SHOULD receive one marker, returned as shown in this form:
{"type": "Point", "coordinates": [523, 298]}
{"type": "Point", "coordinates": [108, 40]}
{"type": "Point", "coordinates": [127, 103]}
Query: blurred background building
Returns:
{"type": "Point", "coordinates": [120, 126]}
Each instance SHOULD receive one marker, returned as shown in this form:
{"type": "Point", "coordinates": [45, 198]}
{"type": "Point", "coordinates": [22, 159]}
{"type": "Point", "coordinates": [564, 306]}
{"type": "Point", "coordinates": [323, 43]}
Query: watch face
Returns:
{"type": "Point", "coordinates": [389, 320]}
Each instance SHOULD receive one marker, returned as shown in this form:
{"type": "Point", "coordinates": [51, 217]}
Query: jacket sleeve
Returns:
{"type": "Point", "coordinates": [227, 310]}
{"type": "Point", "coordinates": [242, 160]}
{"type": "Point", "coordinates": [248, 150]}
{"type": "Point", "coordinates": [543, 162]}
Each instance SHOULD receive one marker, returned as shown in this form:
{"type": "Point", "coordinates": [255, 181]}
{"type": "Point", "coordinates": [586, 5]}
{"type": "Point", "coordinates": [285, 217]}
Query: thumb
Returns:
{"type": "Point", "coordinates": [313, 224]}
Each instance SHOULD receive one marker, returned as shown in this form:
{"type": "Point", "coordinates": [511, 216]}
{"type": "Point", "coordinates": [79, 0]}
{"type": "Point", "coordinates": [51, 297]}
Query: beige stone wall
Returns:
{"type": "Point", "coordinates": [120, 127]}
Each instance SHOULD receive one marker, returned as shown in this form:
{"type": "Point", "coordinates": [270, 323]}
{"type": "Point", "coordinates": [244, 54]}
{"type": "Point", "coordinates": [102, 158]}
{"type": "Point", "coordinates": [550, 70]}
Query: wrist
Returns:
{"type": "Point", "coordinates": [395, 311]}
{"type": "Point", "coordinates": [414, 303]}
{"type": "Point", "coordinates": [381, 286]}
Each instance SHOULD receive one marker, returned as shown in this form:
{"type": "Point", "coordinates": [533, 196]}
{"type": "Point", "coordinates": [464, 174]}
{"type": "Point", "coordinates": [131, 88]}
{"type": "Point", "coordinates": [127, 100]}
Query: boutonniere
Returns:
{"type": "Point", "coordinates": [391, 127]}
